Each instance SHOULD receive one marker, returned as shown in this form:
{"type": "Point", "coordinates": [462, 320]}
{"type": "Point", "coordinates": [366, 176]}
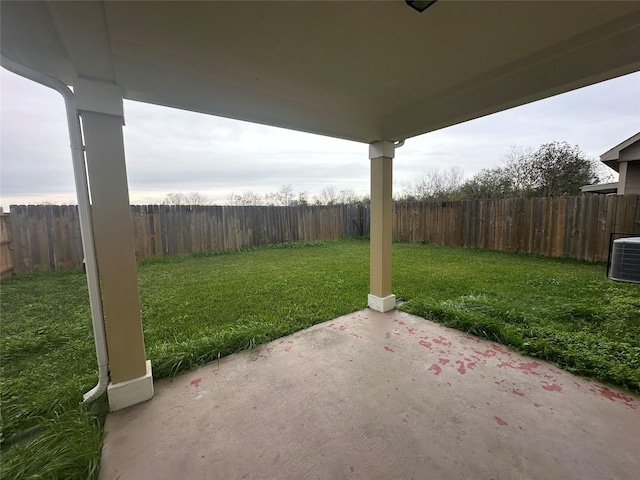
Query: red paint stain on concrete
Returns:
{"type": "Point", "coordinates": [412, 331]}
{"type": "Point", "coordinates": [389, 349]}
{"type": "Point", "coordinates": [435, 369]}
{"type": "Point", "coordinates": [425, 344]}
{"type": "Point", "coordinates": [498, 348]}
{"type": "Point", "coordinates": [551, 387]}
{"type": "Point", "coordinates": [196, 382]}
{"type": "Point", "coordinates": [287, 349]}
{"type": "Point", "coordinates": [443, 361]}
{"type": "Point", "coordinates": [613, 396]}
{"type": "Point", "coordinates": [486, 353]}
{"type": "Point", "coordinates": [461, 369]}
{"type": "Point", "coordinates": [330, 325]}
{"type": "Point", "coordinates": [501, 422]}
{"type": "Point", "coordinates": [269, 349]}
{"type": "Point", "coordinates": [442, 341]}
{"type": "Point", "coordinates": [343, 328]}
{"type": "Point", "coordinates": [470, 365]}
{"type": "Point", "coordinates": [517, 392]}
{"type": "Point", "coordinates": [356, 335]}
{"type": "Point", "coordinates": [528, 366]}
{"type": "Point", "coordinates": [577, 384]}
{"type": "Point", "coordinates": [400, 322]}
{"type": "Point", "coordinates": [537, 405]}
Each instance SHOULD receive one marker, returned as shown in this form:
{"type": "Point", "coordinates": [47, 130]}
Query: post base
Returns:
{"type": "Point", "coordinates": [385, 304]}
{"type": "Point", "coordinates": [124, 394]}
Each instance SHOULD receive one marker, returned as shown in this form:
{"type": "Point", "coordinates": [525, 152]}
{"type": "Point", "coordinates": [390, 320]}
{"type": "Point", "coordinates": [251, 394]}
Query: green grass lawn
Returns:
{"type": "Point", "coordinates": [197, 308]}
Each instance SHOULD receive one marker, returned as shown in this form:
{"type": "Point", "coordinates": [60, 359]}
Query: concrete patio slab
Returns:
{"type": "Point", "coordinates": [372, 395]}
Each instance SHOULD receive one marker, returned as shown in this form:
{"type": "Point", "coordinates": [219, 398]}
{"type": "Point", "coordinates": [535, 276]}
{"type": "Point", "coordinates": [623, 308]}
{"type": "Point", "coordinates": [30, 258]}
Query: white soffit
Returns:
{"type": "Point", "coordinates": [363, 71]}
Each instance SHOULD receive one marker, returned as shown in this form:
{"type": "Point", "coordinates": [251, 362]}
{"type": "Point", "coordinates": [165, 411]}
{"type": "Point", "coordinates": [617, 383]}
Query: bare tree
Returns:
{"type": "Point", "coordinates": [246, 199]}
{"type": "Point", "coordinates": [282, 197]}
{"type": "Point", "coordinates": [189, 198]}
{"type": "Point", "coordinates": [348, 197]}
{"type": "Point", "coordinates": [302, 199]}
{"type": "Point", "coordinates": [436, 184]}
{"type": "Point", "coordinates": [174, 199]}
{"type": "Point", "coordinates": [328, 196]}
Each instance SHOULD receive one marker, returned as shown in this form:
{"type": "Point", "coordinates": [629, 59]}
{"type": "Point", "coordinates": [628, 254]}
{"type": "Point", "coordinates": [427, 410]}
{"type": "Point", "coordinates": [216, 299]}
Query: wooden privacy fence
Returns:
{"type": "Point", "coordinates": [43, 238]}
{"type": "Point", "coordinates": [574, 227]}
{"type": "Point", "coordinates": [47, 237]}
{"type": "Point", "coordinates": [177, 230]}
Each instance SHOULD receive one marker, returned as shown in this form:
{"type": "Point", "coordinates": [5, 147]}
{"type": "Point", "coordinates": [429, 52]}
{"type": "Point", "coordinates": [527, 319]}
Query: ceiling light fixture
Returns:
{"type": "Point", "coordinates": [419, 5]}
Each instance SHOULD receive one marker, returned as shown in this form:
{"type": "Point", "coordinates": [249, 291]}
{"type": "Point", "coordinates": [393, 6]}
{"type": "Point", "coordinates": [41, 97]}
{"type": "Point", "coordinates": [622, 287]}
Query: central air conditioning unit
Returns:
{"type": "Point", "coordinates": [625, 260]}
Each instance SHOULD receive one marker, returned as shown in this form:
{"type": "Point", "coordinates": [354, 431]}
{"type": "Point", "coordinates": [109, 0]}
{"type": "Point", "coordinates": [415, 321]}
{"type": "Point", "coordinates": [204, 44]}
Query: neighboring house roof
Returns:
{"type": "Point", "coordinates": [603, 188]}
{"type": "Point", "coordinates": [630, 147]}
{"type": "Point", "coordinates": [363, 71]}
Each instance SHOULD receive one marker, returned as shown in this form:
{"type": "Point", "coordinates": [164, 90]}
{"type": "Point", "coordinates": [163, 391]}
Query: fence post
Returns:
{"type": "Point", "coordinates": [7, 262]}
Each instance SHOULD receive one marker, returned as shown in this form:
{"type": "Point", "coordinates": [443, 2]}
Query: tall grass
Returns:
{"type": "Point", "coordinates": [565, 311]}
{"type": "Point", "coordinates": [197, 307]}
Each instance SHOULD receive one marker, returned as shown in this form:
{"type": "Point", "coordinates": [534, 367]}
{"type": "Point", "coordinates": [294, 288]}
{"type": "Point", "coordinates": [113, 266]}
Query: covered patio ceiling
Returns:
{"type": "Point", "coordinates": [363, 71]}
{"type": "Point", "coordinates": [372, 72]}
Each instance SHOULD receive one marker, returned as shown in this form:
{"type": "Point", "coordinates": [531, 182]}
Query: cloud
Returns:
{"type": "Point", "coordinates": [169, 150]}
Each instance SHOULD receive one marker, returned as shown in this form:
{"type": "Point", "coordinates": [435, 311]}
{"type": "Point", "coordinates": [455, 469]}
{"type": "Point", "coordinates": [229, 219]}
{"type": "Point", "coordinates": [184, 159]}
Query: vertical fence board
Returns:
{"type": "Point", "coordinates": [636, 223]}
{"type": "Point", "coordinates": [7, 262]}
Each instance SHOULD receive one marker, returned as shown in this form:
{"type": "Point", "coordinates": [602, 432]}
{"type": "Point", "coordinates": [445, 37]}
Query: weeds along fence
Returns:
{"type": "Point", "coordinates": [44, 238]}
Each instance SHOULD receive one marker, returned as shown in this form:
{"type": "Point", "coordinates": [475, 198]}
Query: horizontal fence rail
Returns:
{"type": "Point", "coordinates": [47, 237]}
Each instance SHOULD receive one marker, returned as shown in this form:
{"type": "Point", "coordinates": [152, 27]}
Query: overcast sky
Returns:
{"type": "Point", "coordinates": [169, 150]}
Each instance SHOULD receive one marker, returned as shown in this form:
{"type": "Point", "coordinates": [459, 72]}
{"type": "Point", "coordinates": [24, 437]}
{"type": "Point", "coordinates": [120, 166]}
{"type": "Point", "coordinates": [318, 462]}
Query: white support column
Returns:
{"type": "Point", "coordinates": [381, 155]}
{"type": "Point", "coordinates": [100, 106]}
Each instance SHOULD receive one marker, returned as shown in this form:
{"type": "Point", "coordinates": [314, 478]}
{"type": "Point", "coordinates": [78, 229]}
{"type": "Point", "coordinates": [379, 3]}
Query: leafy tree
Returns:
{"type": "Point", "coordinates": [559, 169]}
{"type": "Point", "coordinates": [553, 169]}
{"type": "Point", "coordinates": [489, 183]}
